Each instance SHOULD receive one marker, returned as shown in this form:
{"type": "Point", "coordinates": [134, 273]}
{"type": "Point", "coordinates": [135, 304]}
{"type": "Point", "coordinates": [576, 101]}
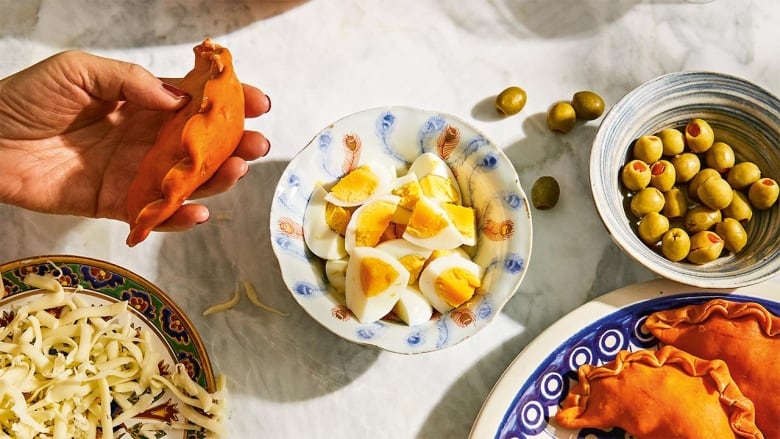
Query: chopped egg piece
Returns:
{"type": "Point", "coordinates": [429, 226]}
{"type": "Point", "coordinates": [360, 184]}
{"type": "Point", "coordinates": [436, 178]}
{"type": "Point", "coordinates": [318, 236]}
{"type": "Point", "coordinates": [412, 307]}
{"type": "Point", "coordinates": [373, 283]}
{"type": "Point", "coordinates": [369, 222]}
{"type": "Point", "coordinates": [336, 272]}
{"type": "Point", "coordinates": [464, 220]}
{"type": "Point", "coordinates": [449, 281]}
{"type": "Point", "coordinates": [408, 188]}
{"type": "Point", "coordinates": [411, 256]}
{"type": "Point", "coordinates": [337, 217]}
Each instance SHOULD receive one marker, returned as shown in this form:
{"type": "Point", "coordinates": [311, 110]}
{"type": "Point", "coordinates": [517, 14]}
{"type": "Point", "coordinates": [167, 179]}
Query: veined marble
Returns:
{"type": "Point", "coordinates": [322, 60]}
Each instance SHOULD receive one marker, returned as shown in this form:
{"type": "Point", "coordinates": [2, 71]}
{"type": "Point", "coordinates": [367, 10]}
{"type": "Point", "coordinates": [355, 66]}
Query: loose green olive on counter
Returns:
{"type": "Point", "coordinates": [561, 117]}
{"type": "Point", "coordinates": [511, 101]}
{"type": "Point", "coordinates": [545, 192]}
{"type": "Point", "coordinates": [647, 200]}
{"type": "Point", "coordinates": [675, 203]}
{"type": "Point", "coordinates": [715, 193]}
{"type": "Point", "coordinates": [699, 136]}
{"type": "Point", "coordinates": [673, 141]}
{"type": "Point", "coordinates": [686, 166]}
{"type": "Point", "coordinates": [698, 179]}
{"type": "Point", "coordinates": [739, 209]}
{"type": "Point", "coordinates": [743, 174]}
{"type": "Point", "coordinates": [706, 246]}
{"type": "Point", "coordinates": [587, 105]}
{"type": "Point", "coordinates": [733, 234]}
{"type": "Point", "coordinates": [662, 175]}
{"type": "Point", "coordinates": [720, 157]}
{"type": "Point", "coordinates": [652, 227]}
{"type": "Point", "coordinates": [649, 149]}
{"type": "Point", "coordinates": [635, 175]}
{"type": "Point", "coordinates": [763, 193]}
{"type": "Point", "coordinates": [701, 218]}
{"type": "Point", "coordinates": [675, 244]}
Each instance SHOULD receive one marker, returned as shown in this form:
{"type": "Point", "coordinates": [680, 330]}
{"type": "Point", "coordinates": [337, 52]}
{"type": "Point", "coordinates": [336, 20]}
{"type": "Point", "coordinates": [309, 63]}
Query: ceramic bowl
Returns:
{"type": "Point", "coordinates": [743, 115]}
{"type": "Point", "coordinates": [397, 135]}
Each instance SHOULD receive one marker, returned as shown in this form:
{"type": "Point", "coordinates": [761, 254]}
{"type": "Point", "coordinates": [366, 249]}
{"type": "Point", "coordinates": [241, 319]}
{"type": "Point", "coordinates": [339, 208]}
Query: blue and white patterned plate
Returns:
{"type": "Point", "coordinates": [398, 135]}
{"type": "Point", "coordinates": [525, 399]}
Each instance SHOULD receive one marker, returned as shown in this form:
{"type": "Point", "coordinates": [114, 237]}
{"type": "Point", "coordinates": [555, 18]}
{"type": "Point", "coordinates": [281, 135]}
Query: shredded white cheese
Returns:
{"type": "Point", "coordinates": [60, 374]}
{"type": "Point", "coordinates": [251, 294]}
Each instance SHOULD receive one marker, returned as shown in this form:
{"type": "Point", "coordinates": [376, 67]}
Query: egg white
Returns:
{"type": "Point", "coordinates": [431, 164]}
{"type": "Point", "coordinates": [412, 307]}
{"type": "Point", "coordinates": [318, 236]}
{"type": "Point", "coordinates": [372, 308]}
{"type": "Point", "coordinates": [336, 272]}
{"type": "Point", "coordinates": [446, 239]}
{"type": "Point", "coordinates": [431, 273]}
{"type": "Point", "coordinates": [350, 237]}
{"type": "Point", "coordinates": [383, 172]}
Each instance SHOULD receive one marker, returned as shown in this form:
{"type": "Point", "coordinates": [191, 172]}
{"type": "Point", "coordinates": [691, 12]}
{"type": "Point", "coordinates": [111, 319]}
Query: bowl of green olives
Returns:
{"type": "Point", "coordinates": [684, 173]}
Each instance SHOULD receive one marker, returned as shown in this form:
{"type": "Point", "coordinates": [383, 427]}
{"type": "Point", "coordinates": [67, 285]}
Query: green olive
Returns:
{"type": "Point", "coordinates": [763, 193]}
{"type": "Point", "coordinates": [706, 246]}
{"type": "Point", "coordinates": [697, 180]}
{"type": "Point", "coordinates": [743, 174]}
{"type": "Point", "coordinates": [587, 104]}
{"type": "Point", "coordinates": [510, 101]}
{"type": "Point", "coordinates": [675, 204]}
{"type": "Point", "coordinates": [720, 157]}
{"type": "Point", "coordinates": [561, 117]}
{"type": "Point", "coordinates": [662, 175]}
{"type": "Point", "coordinates": [647, 200]}
{"type": "Point", "coordinates": [652, 227]}
{"type": "Point", "coordinates": [545, 192]}
{"type": "Point", "coordinates": [701, 218]}
{"type": "Point", "coordinates": [715, 193]}
{"type": "Point", "coordinates": [649, 149]}
{"type": "Point", "coordinates": [635, 175]}
{"type": "Point", "coordinates": [733, 234]}
{"type": "Point", "coordinates": [673, 141]}
{"type": "Point", "coordinates": [739, 209]}
{"type": "Point", "coordinates": [686, 166]}
{"type": "Point", "coordinates": [699, 135]}
{"type": "Point", "coordinates": [675, 244]}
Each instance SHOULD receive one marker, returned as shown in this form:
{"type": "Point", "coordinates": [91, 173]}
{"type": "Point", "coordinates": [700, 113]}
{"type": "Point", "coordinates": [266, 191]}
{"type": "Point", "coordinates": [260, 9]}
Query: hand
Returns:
{"type": "Point", "coordinates": [73, 130]}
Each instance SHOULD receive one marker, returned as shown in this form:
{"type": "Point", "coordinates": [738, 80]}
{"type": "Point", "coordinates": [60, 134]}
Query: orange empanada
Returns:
{"type": "Point", "coordinates": [659, 394]}
{"type": "Point", "coordinates": [744, 335]}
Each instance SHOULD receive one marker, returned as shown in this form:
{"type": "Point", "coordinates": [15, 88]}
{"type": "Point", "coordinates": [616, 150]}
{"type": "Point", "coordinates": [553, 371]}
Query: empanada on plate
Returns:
{"type": "Point", "coordinates": [744, 335]}
{"type": "Point", "coordinates": [659, 394]}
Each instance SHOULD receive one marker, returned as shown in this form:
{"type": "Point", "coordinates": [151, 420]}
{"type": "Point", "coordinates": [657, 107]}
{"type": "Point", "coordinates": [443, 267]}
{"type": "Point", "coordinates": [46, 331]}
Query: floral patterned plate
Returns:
{"type": "Point", "coordinates": [103, 283]}
{"type": "Point", "coordinates": [525, 399]}
{"type": "Point", "coordinates": [397, 135]}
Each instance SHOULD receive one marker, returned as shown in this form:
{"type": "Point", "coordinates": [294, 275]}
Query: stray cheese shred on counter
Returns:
{"type": "Point", "coordinates": [60, 373]}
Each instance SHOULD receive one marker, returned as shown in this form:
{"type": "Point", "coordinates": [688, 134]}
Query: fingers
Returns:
{"type": "Point", "coordinates": [186, 217]}
{"type": "Point", "coordinates": [225, 178]}
{"type": "Point", "coordinates": [256, 103]}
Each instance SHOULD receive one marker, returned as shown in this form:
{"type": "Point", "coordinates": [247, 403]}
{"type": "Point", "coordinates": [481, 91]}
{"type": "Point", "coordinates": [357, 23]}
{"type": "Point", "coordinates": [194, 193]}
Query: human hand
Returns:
{"type": "Point", "coordinates": [73, 130]}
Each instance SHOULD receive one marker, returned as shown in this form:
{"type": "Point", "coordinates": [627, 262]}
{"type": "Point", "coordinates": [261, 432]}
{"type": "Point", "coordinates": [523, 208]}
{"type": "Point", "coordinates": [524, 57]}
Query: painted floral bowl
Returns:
{"type": "Point", "coordinates": [396, 136]}
{"type": "Point", "coordinates": [743, 115]}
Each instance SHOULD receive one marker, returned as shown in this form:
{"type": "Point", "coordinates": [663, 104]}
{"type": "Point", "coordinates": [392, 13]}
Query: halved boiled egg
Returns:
{"type": "Point", "coordinates": [449, 281]}
{"type": "Point", "coordinates": [369, 222]}
{"type": "Point", "coordinates": [429, 226]}
{"type": "Point", "coordinates": [360, 184]}
{"type": "Point", "coordinates": [411, 256]}
{"type": "Point", "coordinates": [436, 178]}
{"type": "Point", "coordinates": [412, 307]}
{"type": "Point", "coordinates": [318, 236]}
{"type": "Point", "coordinates": [374, 282]}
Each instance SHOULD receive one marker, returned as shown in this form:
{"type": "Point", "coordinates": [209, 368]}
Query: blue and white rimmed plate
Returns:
{"type": "Point", "coordinates": [397, 135]}
{"type": "Point", "coordinates": [526, 397]}
{"type": "Point", "coordinates": [102, 283]}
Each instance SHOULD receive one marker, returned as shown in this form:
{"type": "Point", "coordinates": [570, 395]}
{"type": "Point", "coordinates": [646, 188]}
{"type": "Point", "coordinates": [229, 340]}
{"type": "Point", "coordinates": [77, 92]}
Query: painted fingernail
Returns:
{"type": "Point", "coordinates": [268, 148]}
{"type": "Point", "coordinates": [204, 221]}
{"type": "Point", "coordinates": [175, 91]}
{"type": "Point", "coordinates": [268, 98]}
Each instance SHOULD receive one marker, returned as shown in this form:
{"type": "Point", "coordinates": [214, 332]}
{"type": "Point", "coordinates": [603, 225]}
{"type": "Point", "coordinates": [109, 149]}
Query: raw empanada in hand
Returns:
{"type": "Point", "coordinates": [744, 335]}
{"type": "Point", "coordinates": [659, 394]}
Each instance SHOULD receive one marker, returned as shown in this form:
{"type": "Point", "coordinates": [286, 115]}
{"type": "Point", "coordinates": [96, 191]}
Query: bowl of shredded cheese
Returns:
{"type": "Point", "coordinates": [401, 228]}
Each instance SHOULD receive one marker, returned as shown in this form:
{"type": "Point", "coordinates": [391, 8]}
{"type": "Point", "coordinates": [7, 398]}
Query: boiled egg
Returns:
{"type": "Point", "coordinates": [449, 281]}
{"type": "Point", "coordinates": [430, 227]}
{"type": "Point", "coordinates": [408, 188]}
{"type": "Point", "coordinates": [464, 219]}
{"type": "Point", "coordinates": [374, 281]}
{"type": "Point", "coordinates": [336, 273]}
{"type": "Point", "coordinates": [318, 236]}
{"type": "Point", "coordinates": [436, 178]}
{"type": "Point", "coordinates": [411, 256]}
{"type": "Point", "coordinates": [412, 307]}
{"type": "Point", "coordinates": [360, 184]}
{"type": "Point", "coordinates": [369, 222]}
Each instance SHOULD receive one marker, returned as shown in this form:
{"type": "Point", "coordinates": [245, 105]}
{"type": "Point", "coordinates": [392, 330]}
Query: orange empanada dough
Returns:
{"type": "Point", "coordinates": [744, 335]}
{"type": "Point", "coordinates": [659, 394]}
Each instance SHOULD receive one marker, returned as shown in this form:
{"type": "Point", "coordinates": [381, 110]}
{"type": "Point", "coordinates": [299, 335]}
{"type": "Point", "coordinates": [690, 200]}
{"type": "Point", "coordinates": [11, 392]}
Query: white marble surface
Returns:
{"type": "Point", "coordinates": [321, 60]}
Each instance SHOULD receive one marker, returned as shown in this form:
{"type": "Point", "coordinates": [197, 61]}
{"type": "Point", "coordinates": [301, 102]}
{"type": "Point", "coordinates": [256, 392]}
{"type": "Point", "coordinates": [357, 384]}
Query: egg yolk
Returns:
{"type": "Point", "coordinates": [440, 188]}
{"type": "Point", "coordinates": [414, 265]}
{"type": "Point", "coordinates": [357, 185]}
{"type": "Point", "coordinates": [376, 276]}
{"type": "Point", "coordinates": [337, 218]}
{"type": "Point", "coordinates": [401, 216]}
{"type": "Point", "coordinates": [462, 217]}
{"type": "Point", "coordinates": [410, 193]}
{"type": "Point", "coordinates": [456, 285]}
{"type": "Point", "coordinates": [372, 223]}
{"type": "Point", "coordinates": [425, 221]}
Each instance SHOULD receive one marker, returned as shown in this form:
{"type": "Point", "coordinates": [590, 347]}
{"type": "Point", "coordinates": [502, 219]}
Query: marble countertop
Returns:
{"type": "Point", "coordinates": [322, 60]}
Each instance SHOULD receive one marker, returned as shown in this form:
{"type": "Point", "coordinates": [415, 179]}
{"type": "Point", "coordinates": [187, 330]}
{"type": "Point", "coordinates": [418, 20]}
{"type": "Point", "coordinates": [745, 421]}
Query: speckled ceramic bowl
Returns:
{"type": "Point", "coordinates": [397, 135]}
{"type": "Point", "coordinates": [743, 115]}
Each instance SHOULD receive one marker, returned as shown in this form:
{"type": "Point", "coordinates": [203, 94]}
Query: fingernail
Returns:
{"type": "Point", "coordinates": [245, 174]}
{"type": "Point", "coordinates": [268, 148]}
{"type": "Point", "coordinates": [175, 91]}
{"type": "Point", "coordinates": [204, 221]}
{"type": "Point", "coordinates": [268, 98]}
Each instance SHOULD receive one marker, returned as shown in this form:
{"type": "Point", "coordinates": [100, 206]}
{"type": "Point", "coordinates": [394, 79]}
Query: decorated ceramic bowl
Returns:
{"type": "Point", "coordinates": [395, 136]}
{"type": "Point", "coordinates": [743, 115]}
